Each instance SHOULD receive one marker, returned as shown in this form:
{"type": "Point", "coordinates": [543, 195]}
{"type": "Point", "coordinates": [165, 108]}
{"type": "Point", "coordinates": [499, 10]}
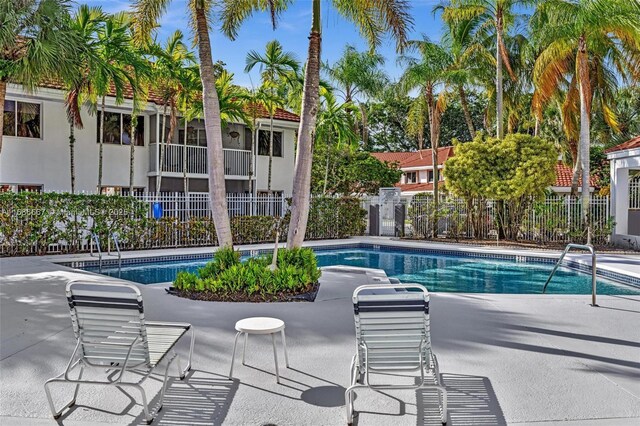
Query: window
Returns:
{"type": "Point", "coordinates": [195, 137]}
{"type": "Point", "coordinates": [263, 143]}
{"type": "Point", "coordinates": [411, 177]}
{"type": "Point", "coordinates": [430, 176]}
{"type": "Point", "coordinates": [117, 129]}
{"type": "Point", "coordinates": [20, 188]}
{"type": "Point", "coordinates": [22, 119]}
{"type": "Point", "coordinates": [120, 190]}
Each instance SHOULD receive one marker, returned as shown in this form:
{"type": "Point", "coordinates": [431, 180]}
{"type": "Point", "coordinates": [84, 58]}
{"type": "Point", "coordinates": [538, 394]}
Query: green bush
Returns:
{"type": "Point", "coordinates": [225, 276]}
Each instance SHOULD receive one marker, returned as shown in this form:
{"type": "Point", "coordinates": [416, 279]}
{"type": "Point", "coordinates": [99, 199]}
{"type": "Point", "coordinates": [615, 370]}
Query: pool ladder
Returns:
{"type": "Point", "coordinates": [96, 241]}
{"type": "Point", "coordinates": [587, 247]}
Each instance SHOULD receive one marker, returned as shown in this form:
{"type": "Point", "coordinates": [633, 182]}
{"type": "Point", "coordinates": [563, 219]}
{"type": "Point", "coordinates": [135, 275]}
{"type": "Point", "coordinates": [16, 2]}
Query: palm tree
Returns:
{"type": "Point", "coordinates": [373, 18]}
{"type": "Point", "coordinates": [146, 16]}
{"type": "Point", "coordinates": [334, 128]}
{"type": "Point", "coordinates": [190, 107]}
{"type": "Point", "coordinates": [417, 120]}
{"type": "Point", "coordinates": [36, 41]}
{"type": "Point", "coordinates": [113, 71]}
{"type": "Point", "coordinates": [169, 80]}
{"type": "Point", "coordinates": [276, 66]}
{"type": "Point", "coordinates": [490, 18]}
{"type": "Point", "coordinates": [356, 75]}
{"type": "Point", "coordinates": [426, 73]}
{"type": "Point", "coordinates": [84, 23]}
{"type": "Point", "coordinates": [585, 46]}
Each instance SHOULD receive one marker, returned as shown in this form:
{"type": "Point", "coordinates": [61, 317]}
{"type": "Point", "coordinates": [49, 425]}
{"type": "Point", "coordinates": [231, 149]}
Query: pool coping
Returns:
{"type": "Point", "coordinates": [576, 261]}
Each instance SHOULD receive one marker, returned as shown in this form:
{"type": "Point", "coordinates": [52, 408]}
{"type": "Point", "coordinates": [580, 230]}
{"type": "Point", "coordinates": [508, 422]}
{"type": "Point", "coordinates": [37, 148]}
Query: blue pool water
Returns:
{"type": "Point", "coordinates": [437, 272]}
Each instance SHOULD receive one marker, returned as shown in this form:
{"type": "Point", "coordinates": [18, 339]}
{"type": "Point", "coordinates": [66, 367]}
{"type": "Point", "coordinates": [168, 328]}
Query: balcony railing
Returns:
{"type": "Point", "coordinates": [237, 162]}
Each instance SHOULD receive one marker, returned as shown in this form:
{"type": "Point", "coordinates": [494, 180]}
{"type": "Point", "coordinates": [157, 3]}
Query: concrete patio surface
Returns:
{"type": "Point", "coordinates": [505, 359]}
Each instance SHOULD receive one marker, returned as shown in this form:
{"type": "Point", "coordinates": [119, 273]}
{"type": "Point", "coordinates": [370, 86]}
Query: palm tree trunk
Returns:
{"type": "Point", "coordinates": [270, 148]}
{"type": "Point", "coordinates": [132, 150]}
{"type": "Point", "coordinates": [465, 110]}
{"type": "Point", "coordinates": [326, 173]}
{"type": "Point", "coordinates": [302, 171]}
{"type": "Point", "coordinates": [499, 96]}
{"type": "Point", "coordinates": [213, 130]}
{"type": "Point", "coordinates": [252, 148]}
{"type": "Point", "coordinates": [161, 148]}
{"type": "Point", "coordinates": [72, 157]}
{"type": "Point", "coordinates": [536, 128]}
{"type": "Point", "coordinates": [585, 125]}
{"type": "Point", "coordinates": [185, 182]}
{"type": "Point", "coordinates": [575, 178]}
{"type": "Point", "coordinates": [3, 94]}
{"type": "Point", "coordinates": [100, 148]}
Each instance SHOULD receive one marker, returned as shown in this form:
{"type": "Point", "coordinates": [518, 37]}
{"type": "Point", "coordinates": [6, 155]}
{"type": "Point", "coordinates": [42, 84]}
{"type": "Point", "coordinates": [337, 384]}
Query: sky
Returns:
{"type": "Point", "coordinates": [292, 32]}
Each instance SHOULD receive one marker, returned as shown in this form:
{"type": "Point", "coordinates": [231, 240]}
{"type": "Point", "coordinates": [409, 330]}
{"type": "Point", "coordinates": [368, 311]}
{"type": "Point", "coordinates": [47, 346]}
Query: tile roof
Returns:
{"type": "Point", "coordinates": [630, 144]}
{"type": "Point", "coordinates": [421, 158]}
{"type": "Point", "coordinates": [564, 174]}
{"type": "Point", "coordinates": [415, 187]}
{"type": "Point", "coordinates": [281, 114]}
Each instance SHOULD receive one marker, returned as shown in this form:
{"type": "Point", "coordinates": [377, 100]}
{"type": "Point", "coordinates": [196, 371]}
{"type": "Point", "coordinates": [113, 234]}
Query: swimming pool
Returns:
{"type": "Point", "coordinates": [438, 271]}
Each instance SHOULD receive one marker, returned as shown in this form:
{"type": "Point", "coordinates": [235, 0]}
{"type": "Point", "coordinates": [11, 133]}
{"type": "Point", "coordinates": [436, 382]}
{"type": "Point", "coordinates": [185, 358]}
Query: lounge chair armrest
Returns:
{"type": "Point", "coordinates": [184, 325]}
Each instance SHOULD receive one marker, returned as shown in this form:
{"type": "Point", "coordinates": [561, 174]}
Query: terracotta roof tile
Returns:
{"type": "Point", "coordinates": [564, 174]}
{"type": "Point", "coordinates": [415, 187]}
{"type": "Point", "coordinates": [421, 158]}
{"type": "Point", "coordinates": [281, 114]}
{"type": "Point", "coordinates": [630, 144]}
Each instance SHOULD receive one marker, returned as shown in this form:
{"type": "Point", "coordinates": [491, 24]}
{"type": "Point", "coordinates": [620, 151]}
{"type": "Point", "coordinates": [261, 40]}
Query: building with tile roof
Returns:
{"type": "Point", "coordinates": [624, 160]}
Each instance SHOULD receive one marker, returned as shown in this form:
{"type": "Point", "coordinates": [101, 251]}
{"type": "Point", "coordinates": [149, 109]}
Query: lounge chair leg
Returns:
{"type": "Point", "coordinates": [233, 354]}
{"type": "Point", "coordinates": [70, 403]}
{"type": "Point", "coordinates": [284, 343]}
{"type": "Point", "coordinates": [244, 347]}
{"type": "Point", "coordinates": [275, 357]}
{"type": "Point", "coordinates": [188, 367]}
{"type": "Point", "coordinates": [349, 404]}
{"type": "Point", "coordinates": [165, 380]}
{"type": "Point", "coordinates": [145, 406]}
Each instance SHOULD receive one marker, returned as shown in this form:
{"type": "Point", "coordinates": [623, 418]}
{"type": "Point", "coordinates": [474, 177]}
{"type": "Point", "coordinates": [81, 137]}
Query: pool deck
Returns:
{"type": "Point", "coordinates": [505, 359]}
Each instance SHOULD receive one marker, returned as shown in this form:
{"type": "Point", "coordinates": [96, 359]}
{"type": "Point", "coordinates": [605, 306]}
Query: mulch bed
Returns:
{"type": "Point", "coordinates": [519, 244]}
{"type": "Point", "coordinates": [305, 295]}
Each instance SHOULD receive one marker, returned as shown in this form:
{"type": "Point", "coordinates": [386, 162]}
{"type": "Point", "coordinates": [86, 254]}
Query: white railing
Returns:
{"type": "Point", "coordinates": [236, 161]}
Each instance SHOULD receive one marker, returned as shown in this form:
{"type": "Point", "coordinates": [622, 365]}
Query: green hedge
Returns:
{"type": "Point", "coordinates": [32, 223]}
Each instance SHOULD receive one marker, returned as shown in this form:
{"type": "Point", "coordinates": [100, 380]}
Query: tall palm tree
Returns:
{"type": "Point", "coordinates": [334, 128]}
{"type": "Point", "coordinates": [491, 18]}
{"type": "Point", "coordinates": [427, 73]}
{"type": "Point", "coordinates": [113, 71]}
{"type": "Point", "coordinates": [147, 14]}
{"type": "Point", "coordinates": [417, 120]}
{"type": "Point", "coordinates": [169, 80]}
{"type": "Point", "coordinates": [373, 18]}
{"type": "Point", "coordinates": [85, 23]}
{"type": "Point", "coordinates": [358, 75]}
{"type": "Point", "coordinates": [36, 41]}
{"type": "Point", "coordinates": [586, 45]}
{"type": "Point", "coordinates": [276, 67]}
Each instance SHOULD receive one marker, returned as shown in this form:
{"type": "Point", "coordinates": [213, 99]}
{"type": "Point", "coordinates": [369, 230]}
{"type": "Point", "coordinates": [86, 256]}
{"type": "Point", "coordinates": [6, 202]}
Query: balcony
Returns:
{"type": "Point", "coordinates": [237, 162]}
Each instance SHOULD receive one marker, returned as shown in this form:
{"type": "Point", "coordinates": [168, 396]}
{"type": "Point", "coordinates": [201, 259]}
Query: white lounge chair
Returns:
{"type": "Point", "coordinates": [393, 336]}
{"type": "Point", "coordinates": [112, 333]}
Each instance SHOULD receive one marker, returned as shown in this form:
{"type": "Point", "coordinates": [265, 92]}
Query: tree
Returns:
{"type": "Point", "coordinates": [582, 44]}
{"type": "Point", "coordinates": [373, 18]}
{"type": "Point", "coordinates": [276, 66]}
{"type": "Point", "coordinates": [146, 16]}
{"type": "Point", "coordinates": [170, 80]}
{"type": "Point", "coordinates": [84, 24]}
{"type": "Point", "coordinates": [113, 71]}
{"type": "Point", "coordinates": [36, 41]}
{"type": "Point", "coordinates": [491, 18]}
{"type": "Point", "coordinates": [358, 75]}
{"type": "Point", "coordinates": [334, 128]}
{"type": "Point", "coordinates": [352, 172]}
{"type": "Point", "coordinates": [512, 171]}
{"type": "Point", "coordinates": [427, 73]}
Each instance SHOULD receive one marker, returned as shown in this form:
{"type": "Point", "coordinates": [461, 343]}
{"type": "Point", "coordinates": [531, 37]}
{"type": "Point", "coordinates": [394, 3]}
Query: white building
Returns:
{"type": "Point", "coordinates": [625, 192]}
{"type": "Point", "coordinates": [36, 156]}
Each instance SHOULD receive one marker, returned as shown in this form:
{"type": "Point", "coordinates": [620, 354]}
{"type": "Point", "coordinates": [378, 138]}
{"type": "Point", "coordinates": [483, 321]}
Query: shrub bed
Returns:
{"type": "Point", "coordinates": [226, 278]}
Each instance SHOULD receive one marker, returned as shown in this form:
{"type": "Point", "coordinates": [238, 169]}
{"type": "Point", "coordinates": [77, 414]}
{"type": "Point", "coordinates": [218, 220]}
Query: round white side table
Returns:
{"type": "Point", "coordinates": [260, 325]}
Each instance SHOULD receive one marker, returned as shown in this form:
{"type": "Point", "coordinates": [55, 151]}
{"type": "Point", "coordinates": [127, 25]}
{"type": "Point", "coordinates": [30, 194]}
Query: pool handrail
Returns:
{"type": "Point", "coordinates": [96, 240]}
{"type": "Point", "coordinates": [587, 247]}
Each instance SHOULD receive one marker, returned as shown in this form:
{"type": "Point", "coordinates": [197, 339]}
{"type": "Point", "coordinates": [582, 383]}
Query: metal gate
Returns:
{"type": "Point", "coordinates": [388, 218]}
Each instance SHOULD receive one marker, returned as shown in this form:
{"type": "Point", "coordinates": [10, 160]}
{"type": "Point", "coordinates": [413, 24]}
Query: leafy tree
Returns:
{"type": "Point", "coordinates": [276, 67]}
{"type": "Point", "coordinates": [387, 123]}
{"type": "Point", "coordinates": [351, 172]}
{"type": "Point", "coordinates": [373, 18]}
{"type": "Point", "coordinates": [586, 44]}
{"type": "Point", "coordinates": [513, 171]}
{"type": "Point", "coordinates": [36, 41]}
